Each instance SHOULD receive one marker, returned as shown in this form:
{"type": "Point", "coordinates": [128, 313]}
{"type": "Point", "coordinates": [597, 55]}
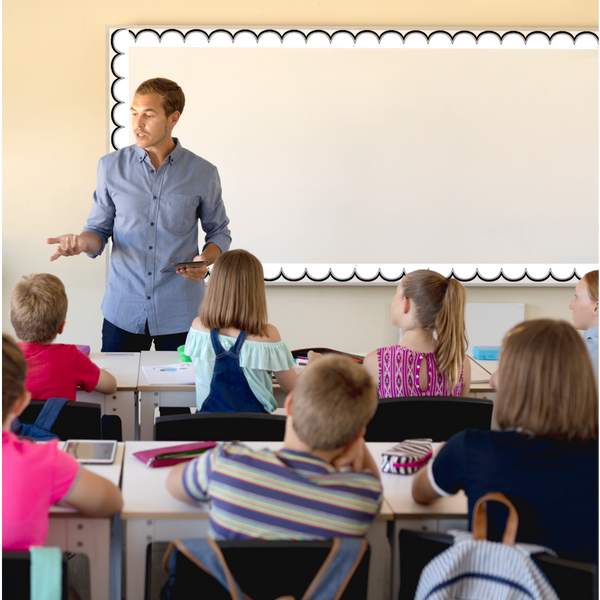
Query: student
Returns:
{"type": "Point", "coordinates": [545, 458]}
{"type": "Point", "coordinates": [585, 313]}
{"type": "Point", "coordinates": [299, 492]}
{"type": "Point", "coordinates": [38, 307]}
{"type": "Point", "coordinates": [36, 476]}
{"type": "Point", "coordinates": [231, 345]}
{"type": "Point", "coordinates": [431, 359]}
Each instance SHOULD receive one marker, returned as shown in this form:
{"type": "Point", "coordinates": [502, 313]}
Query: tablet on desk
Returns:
{"type": "Point", "coordinates": [92, 451]}
{"type": "Point", "coordinates": [172, 268]}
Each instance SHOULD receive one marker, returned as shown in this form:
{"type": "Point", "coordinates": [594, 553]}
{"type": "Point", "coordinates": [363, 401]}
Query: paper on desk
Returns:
{"type": "Point", "coordinates": [177, 374]}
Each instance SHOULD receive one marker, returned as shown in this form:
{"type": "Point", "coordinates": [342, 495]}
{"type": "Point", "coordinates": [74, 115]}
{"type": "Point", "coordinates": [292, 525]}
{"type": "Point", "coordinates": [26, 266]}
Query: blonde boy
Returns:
{"type": "Point", "coordinates": [323, 483]}
{"type": "Point", "coordinates": [38, 308]}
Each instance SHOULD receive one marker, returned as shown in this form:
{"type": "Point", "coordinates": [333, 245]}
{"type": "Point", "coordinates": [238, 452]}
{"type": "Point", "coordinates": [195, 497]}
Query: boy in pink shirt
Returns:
{"type": "Point", "coordinates": [38, 307]}
{"type": "Point", "coordinates": [35, 476]}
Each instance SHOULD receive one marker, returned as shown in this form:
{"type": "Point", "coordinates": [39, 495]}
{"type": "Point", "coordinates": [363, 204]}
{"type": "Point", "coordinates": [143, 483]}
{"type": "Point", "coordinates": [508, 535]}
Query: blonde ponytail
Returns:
{"type": "Point", "coordinates": [451, 343]}
{"type": "Point", "coordinates": [440, 307]}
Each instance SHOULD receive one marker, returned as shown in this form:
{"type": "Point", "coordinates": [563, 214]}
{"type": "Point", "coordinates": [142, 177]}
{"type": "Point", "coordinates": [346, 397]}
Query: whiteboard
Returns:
{"type": "Point", "coordinates": [357, 153]}
{"type": "Point", "coordinates": [488, 322]}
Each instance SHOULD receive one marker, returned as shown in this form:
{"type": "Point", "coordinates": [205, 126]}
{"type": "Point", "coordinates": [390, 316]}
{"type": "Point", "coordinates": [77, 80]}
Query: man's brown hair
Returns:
{"type": "Point", "coordinates": [171, 95]}
{"type": "Point", "coordinates": [14, 369]}
{"type": "Point", "coordinates": [334, 399]}
{"type": "Point", "coordinates": [38, 308]}
{"type": "Point", "coordinates": [235, 296]}
{"type": "Point", "coordinates": [546, 382]}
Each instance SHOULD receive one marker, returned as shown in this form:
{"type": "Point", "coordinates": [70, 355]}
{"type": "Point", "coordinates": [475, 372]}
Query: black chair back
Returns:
{"type": "Point", "coordinates": [76, 420]}
{"type": "Point", "coordinates": [291, 568]}
{"type": "Point", "coordinates": [16, 583]}
{"type": "Point", "coordinates": [572, 580]}
{"type": "Point", "coordinates": [219, 427]}
{"type": "Point", "coordinates": [435, 417]}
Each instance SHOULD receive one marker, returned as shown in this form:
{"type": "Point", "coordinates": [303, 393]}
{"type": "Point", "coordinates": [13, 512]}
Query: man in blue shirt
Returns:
{"type": "Point", "coordinates": [148, 198]}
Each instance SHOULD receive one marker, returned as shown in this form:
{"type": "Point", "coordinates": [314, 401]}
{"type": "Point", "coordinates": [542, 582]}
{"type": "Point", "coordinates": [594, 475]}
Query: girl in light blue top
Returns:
{"type": "Point", "coordinates": [233, 348]}
{"type": "Point", "coordinates": [585, 313]}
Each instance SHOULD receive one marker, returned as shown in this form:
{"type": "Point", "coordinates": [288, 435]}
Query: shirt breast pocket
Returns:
{"type": "Point", "coordinates": [178, 213]}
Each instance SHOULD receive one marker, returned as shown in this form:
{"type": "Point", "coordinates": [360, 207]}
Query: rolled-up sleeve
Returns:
{"type": "Point", "coordinates": [102, 216]}
{"type": "Point", "coordinates": [213, 216]}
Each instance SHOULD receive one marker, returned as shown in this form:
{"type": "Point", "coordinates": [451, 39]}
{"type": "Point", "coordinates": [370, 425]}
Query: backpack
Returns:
{"type": "Point", "coordinates": [474, 568]}
{"type": "Point", "coordinates": [328, 584]}
{"type": "Point", "coordinates": [40, 429]}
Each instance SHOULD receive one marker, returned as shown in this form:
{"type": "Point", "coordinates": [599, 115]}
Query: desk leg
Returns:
{"type": "Point", "coordinates": [124, 405]}
{"type": "Point", "coordinates": [90, 537]}
{"type": "Point", "coordinates": [380, 564]}
{"type": "Point", "coordinates": [141, 532]}
{"type": "Point", "coordinates": [148, 402]}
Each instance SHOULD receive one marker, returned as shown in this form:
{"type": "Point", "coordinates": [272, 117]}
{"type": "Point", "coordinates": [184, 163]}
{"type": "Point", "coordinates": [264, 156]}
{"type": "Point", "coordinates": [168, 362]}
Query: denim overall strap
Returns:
{"type": "Point", "coordinates": [229, 388]}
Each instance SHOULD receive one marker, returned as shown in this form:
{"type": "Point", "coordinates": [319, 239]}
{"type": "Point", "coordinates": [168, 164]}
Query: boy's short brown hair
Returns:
{"type": "Point", "coordinates": [546, 382]}
{"type": "Point", "coordinates": [14, 369]}
{"type": "Point", "coordinates": [38, 307]}
{"type": "Point", "coordinates": [171, 95]}
{"type": "Point", "coordinates": [333, 400]}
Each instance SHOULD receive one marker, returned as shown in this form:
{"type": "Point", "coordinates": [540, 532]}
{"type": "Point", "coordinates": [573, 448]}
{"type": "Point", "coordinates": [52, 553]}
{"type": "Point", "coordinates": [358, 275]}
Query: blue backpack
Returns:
{"type": "Point", "coordinates": [40, 430]}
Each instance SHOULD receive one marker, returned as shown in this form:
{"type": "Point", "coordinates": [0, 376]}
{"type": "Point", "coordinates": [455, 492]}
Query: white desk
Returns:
{"type": "Point", "coordinates": [151, 514]}
{"type": "Point", "coordinates": [124, 403]}
{"type": "Point", "coordinates": [98, 538]}
{"type": "Point", "coordinates": [444, 514]}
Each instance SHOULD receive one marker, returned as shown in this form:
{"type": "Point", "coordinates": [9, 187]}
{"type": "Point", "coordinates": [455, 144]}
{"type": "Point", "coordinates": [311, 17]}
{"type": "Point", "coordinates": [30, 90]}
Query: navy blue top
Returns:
{"type": "Point", "coordinates": [152, 217]}
{"type": "Point", "coordinates": [552, 483]}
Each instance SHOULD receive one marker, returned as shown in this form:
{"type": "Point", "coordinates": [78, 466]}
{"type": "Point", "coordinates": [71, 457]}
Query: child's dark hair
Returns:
{"type": "Point", "coordinates": [14, 369]}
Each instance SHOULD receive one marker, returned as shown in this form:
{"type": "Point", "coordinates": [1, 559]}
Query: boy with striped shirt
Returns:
{"type": "Point", "coordinates": [324, 483]}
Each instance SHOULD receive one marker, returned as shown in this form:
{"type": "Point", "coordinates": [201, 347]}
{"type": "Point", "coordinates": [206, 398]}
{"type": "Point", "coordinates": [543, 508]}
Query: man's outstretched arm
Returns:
{"type": "Point", "coordinates": [72, 244]}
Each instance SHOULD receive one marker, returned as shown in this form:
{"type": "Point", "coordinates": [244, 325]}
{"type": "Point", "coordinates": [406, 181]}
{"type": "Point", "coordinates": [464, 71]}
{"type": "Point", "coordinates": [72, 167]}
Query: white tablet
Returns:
{"type": "Point", "coordinates": [92, 451]}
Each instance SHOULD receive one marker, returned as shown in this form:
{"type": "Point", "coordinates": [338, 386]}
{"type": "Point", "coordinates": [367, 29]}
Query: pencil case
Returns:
{"type": "Point", "coordinates": [303, 353]}
{"type": "Point", "coordinates": [407, 457]}
{"type": "Point", "coordinates": [173, 455]}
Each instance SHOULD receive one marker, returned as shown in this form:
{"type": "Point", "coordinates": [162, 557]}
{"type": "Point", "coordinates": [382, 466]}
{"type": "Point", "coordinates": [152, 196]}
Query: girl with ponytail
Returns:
{"type": "Point", "coordinates": [586, 315]}
{"type": "Point", "coordinates": [430, 360]}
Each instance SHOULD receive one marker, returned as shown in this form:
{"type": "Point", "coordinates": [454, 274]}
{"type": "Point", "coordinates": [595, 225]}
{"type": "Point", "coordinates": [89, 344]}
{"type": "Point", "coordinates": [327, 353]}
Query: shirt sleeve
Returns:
{"type": "Point", "coordinates": [66, 469]}
{"type": "Point", "coordinates": [213, 216]}
{"type": "Point", "coordinates": [101, 218]}
{"type": "Point", "coordinates": [86, 372]}
{"type": "Point", "coordinates": [197, 475]}
{"type": "Point", "coordinates": [445, 472]}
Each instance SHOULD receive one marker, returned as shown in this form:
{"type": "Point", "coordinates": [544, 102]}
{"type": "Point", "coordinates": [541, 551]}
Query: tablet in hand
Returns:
{"type": "Point", "coordinates": [172, 268]}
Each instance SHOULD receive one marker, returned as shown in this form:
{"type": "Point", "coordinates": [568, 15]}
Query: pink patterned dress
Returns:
{"type": "Point", "coordinates": [399, 370]}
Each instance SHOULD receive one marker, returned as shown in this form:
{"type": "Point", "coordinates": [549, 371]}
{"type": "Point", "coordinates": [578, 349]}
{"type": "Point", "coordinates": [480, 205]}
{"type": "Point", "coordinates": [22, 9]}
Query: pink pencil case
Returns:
{"type": "Point", "coordinates": [407, 457]}
{"type": "Point", "coordinates": [173, 455]}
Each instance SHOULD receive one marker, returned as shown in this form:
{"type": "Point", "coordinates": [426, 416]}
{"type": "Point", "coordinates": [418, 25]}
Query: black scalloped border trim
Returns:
{"type": "Point", "coordinates": [305, 35]}
{"type": "Point", "coordinates": [355, 276]}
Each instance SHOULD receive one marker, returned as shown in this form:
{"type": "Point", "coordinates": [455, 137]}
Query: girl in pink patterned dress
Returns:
{"type": "Point", "coordinates": [430, 360]}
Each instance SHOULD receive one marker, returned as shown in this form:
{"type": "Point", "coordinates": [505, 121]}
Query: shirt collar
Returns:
{"type": "Point", "coordinates": [172, 158]}
{"type": "Point", "coordinates": [591, 333]}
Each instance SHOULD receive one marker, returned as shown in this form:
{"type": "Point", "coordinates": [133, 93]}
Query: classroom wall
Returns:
{"type": "Point", "coordinates": [54, 125]}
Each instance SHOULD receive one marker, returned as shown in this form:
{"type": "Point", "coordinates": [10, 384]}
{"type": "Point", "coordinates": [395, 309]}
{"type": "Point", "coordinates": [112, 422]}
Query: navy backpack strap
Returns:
{"type": "Point", "coordinates": [50, 412]}
{"type": "Point", "coordinates": [337, 570]}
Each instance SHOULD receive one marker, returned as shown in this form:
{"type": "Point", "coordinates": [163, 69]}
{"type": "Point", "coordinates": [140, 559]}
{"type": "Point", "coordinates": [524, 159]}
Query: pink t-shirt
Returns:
{"type": "Point", "coordinates": [400, 369]}
{"type": "Point", "coordinates": [34, 477]}
{"type": "Point", "coordinates": [57, 370]}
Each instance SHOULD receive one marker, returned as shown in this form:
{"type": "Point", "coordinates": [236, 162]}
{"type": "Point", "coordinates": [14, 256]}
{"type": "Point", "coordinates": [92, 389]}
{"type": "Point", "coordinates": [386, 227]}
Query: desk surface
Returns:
{"type": "Point", "coordinates": [111, 472]}
{"type": "Point", "coordinates": [124, 366]}
{"type": "Point", "coordinates": [154, 358]}
{"type": "Point", "coordinates": [145, 495]}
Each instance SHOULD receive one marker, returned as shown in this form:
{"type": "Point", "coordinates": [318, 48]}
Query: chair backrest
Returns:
{"type": "Point", "coordinates": [435, 417]}
{"type": "Point", "coordinates": [76, 420]}
{"type": "Point", "coordinates": [572, 580]}
{"type": "Point", "coordinates": [219, 427]}
{"type": "Point", "coordinates": [16, 583]}
{"type": "Point", "coordinates": [264, 570]}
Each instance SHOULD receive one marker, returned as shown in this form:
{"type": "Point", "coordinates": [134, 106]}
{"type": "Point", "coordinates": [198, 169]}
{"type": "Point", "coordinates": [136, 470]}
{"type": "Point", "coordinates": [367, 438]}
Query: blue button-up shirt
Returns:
{"type": "Point", "coordinates": [590, 338]}
{"type": "Point", "coordinates": [152, 217]}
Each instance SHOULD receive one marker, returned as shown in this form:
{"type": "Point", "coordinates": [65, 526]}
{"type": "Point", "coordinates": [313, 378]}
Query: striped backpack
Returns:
{"type": "Point", "coordinates": [474, 568]}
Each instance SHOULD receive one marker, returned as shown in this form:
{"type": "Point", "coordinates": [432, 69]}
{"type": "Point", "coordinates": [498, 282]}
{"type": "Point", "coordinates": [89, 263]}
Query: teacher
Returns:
{"type": "Point", "coordinates": [149, 197]}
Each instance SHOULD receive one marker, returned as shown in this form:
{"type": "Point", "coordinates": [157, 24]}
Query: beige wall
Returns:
{"type": "Point", "coordinates": [54, 124]}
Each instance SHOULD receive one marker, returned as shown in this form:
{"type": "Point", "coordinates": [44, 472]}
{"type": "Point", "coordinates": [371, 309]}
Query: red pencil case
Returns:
{"type": "Point", "coordinates": [173, 455]}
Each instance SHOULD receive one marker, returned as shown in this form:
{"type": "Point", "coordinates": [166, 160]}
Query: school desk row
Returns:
{"type": "Point", "coordinates": [135, 401]}
{"type": "Point", "coordinates": [150, 514]}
